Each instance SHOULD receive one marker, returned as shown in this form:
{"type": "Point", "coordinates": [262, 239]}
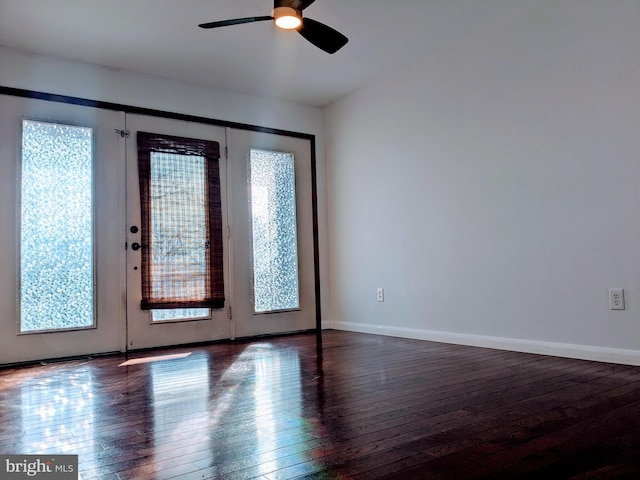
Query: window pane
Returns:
{"type": "Point", "coordinates": [178, 226]}
{"type": "Point", "coordinates": [173, 314]}
{"type": "Point", "coordinates": [56, 262]}
{"type": "Point", "coordinates": [273, 214]}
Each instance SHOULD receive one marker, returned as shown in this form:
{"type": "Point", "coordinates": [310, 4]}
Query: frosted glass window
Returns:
{"type": "Point", "coordinates": [273, 218]}
{"type": "Point", "coordinates": [56, 258]}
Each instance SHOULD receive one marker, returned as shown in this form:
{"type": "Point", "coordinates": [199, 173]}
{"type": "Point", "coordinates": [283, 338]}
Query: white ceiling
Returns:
{"type": "Point", "coordinates": [161, 37]}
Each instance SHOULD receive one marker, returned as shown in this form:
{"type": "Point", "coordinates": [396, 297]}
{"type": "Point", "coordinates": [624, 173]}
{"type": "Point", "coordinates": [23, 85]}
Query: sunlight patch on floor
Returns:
{"type": "Point", "coordinates": [158, 358]}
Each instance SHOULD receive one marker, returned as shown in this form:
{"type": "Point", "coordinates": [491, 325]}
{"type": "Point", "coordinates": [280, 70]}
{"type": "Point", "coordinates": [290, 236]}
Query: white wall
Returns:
{"type": "Point", "coordinates": [56, 75]}
{"type": "Point", "coordinates": [494, 192]}
{"type": "Point", "coordinates": [64, 77]}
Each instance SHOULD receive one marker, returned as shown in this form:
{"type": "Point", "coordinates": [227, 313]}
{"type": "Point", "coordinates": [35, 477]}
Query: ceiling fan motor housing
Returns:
{"type": "Point", "coordinates": [287, 17]}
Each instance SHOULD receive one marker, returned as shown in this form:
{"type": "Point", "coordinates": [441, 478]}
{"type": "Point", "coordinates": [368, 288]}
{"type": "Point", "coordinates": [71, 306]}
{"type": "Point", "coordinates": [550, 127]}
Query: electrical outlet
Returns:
{"type": "Point", "coordinates": [380, 292]}
{"type": "Point", "coordinates": [616, 299]}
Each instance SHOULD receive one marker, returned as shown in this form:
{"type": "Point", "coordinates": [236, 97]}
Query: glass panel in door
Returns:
{"type": "Point", "coordinates": [56, 231]}
{"type": "Point", "coordinates": [273, 231]}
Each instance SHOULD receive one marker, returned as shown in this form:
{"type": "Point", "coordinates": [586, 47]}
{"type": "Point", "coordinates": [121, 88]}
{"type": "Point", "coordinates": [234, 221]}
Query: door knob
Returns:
{"type": "Point", "coordinates": [136, 246]}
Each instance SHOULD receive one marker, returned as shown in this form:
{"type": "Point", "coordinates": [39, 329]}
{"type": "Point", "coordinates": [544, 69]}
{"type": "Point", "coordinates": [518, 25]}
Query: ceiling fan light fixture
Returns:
{"type": "Point", "coordinates": [287, 14]}
{"type": "Point", "coordinates": [287, 18]}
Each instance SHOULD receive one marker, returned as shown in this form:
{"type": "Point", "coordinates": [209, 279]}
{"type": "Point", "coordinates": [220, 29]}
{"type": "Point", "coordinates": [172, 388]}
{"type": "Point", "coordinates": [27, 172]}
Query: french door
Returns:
{"type": "Point", "coordinates": [160, 327]}
{"type": "Point", "coordinates": [268, 245]}
{"type": "Point", "coordinates": [61, 217]}
{"type": "Point", "coordinates": [271, 225]}
{"type": "Point", "coordinates": [70, 214]}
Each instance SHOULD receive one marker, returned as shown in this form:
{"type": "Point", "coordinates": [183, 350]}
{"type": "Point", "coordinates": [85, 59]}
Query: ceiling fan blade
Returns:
{"type": "Point", "coordinates": [234, 21]}
{"type": "Point", "coordinates": [322, 36]}
{"type": "Point", "coordinates": [295, 4]}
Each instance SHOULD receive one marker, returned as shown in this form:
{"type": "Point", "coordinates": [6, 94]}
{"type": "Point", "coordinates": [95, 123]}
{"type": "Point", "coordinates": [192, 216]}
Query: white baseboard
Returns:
{"type": "Point", "coordinates": [582, 352]}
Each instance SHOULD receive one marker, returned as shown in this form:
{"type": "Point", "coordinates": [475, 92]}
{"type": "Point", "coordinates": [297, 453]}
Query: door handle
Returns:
{"type": "Point", "coordinates": [136, 246]}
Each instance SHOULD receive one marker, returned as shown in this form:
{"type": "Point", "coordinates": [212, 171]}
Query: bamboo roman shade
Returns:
{"type": "Point", "coordinates": [182, 257]}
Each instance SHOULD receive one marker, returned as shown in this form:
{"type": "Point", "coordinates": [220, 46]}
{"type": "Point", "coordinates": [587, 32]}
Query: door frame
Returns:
{"type": "Point", "coordinates": [129, 109]}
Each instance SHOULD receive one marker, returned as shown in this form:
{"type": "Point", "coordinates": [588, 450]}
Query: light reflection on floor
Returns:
{"type": "Point", "coordinates": [185, 398]}
{"type": "Point", "coordinates": [269, 387]}
{"type": "Point", "coordinates": [180, 391]}
{"type": "Point", "coordinates": [58, 415]}
{"type": "Point", "coordinates": [157, 358]}
{"type": "Point", "coordinates": [247, 418]}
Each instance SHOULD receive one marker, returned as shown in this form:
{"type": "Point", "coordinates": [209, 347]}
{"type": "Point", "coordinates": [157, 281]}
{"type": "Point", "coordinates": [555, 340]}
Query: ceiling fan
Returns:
{"type": "Point", "coordinates": [287, 14]}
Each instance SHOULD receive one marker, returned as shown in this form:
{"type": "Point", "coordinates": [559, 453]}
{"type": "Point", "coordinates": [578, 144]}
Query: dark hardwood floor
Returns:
{"type": "Point", "coordinates": [369, 407]}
